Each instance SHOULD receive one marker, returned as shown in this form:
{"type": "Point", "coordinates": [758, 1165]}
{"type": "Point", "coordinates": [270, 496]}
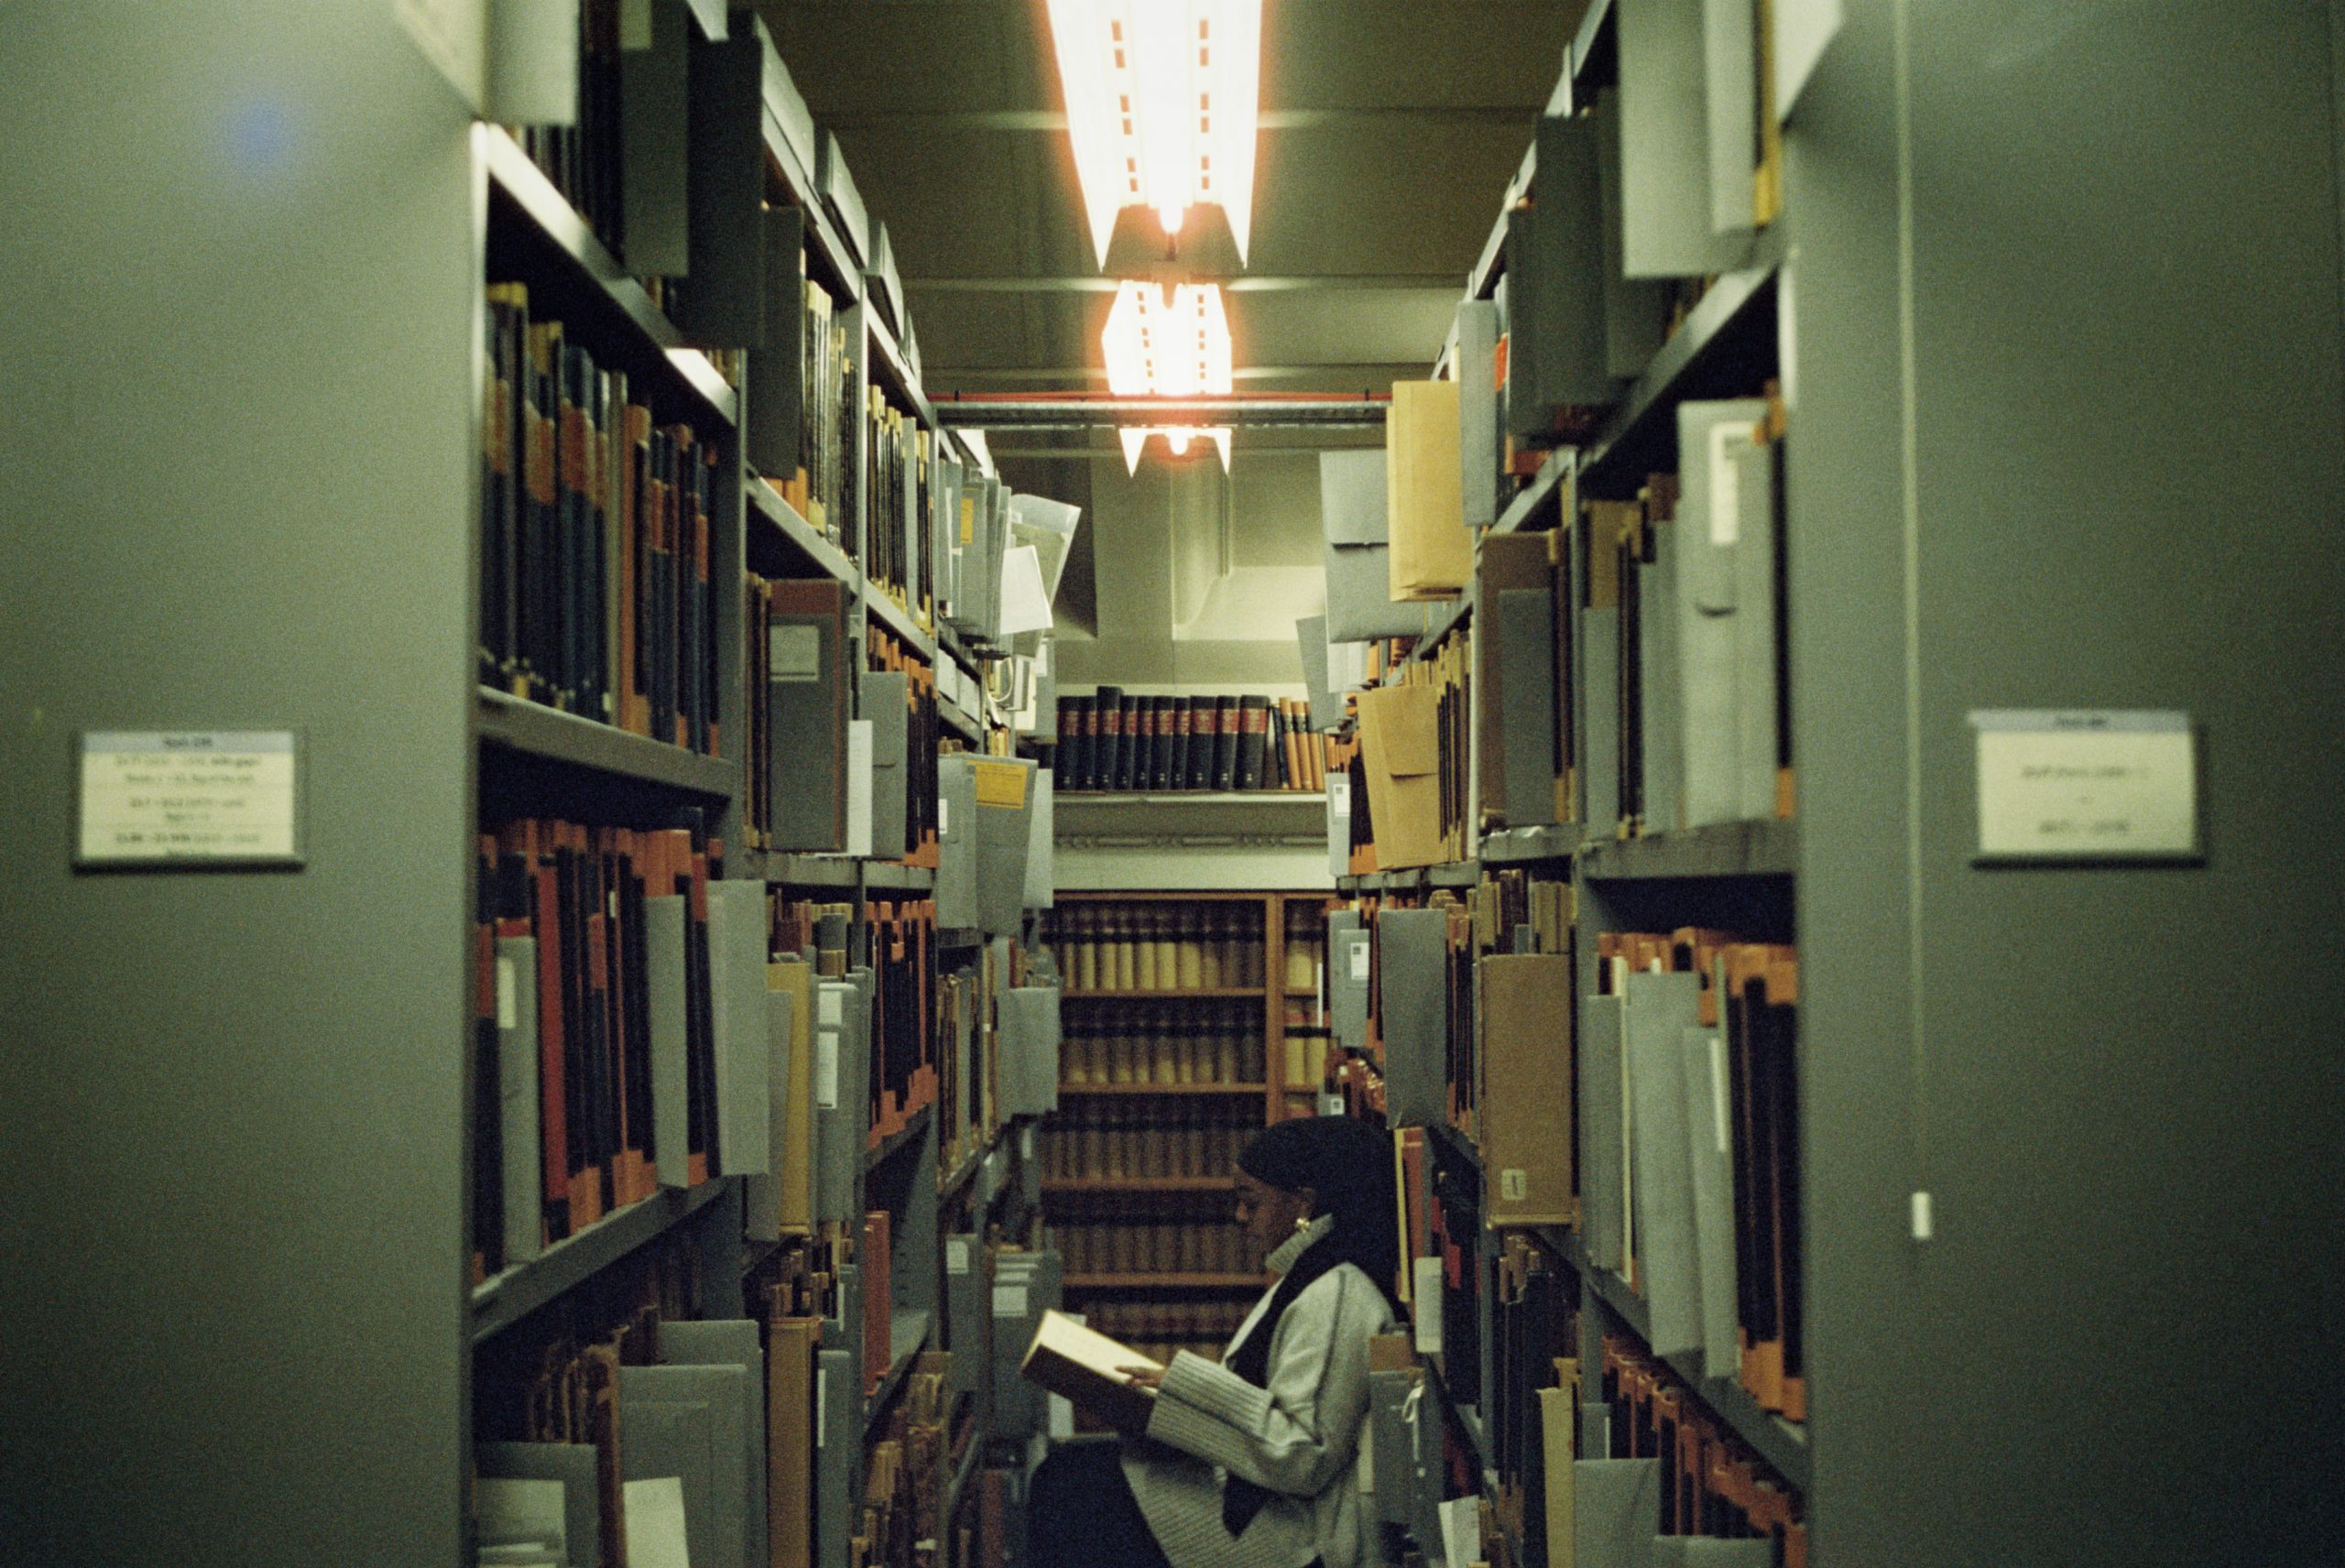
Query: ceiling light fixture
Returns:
{"type": "Point", "coordinates": [1168, 345]}
{"type": "Point", "coordinates": [1161, 100]}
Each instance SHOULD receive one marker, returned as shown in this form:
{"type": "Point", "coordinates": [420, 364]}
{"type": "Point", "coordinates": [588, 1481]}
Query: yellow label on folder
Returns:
{"type": "Point", "coordinates": [999, 784]}
{"type": "Point", "coordinates": [969, 520]}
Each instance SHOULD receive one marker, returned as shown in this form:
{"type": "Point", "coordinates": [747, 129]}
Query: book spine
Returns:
{"type": "Point", "coordinates": [1253, 743]}
{"type": "Point", "coordinates": [1225, 743]}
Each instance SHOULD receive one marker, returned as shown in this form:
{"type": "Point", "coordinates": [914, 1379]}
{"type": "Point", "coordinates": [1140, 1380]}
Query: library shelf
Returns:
{"type": "Point", "coordinates": [1139, 1184]}
{"type": "Point", "coordinates": [1537, 505]}
{"type": "Point", "coordinates": [771, 507]}
{"type": "Point", "coordinates": [558, 226]}
{"type": "Point", "coordinates": [1782, 1444]}
{"type": "Point", "coordinates": [896, 1142]}
{"type": "Point", "coordinates": [1459, 607]}
{"type": "Point", "coordinates": [1530, 844]}
{"type": "Point", "coordinates": [950, 1182]}
{"type": "Point", "coordinates": [1596, 39]}
{"type": "Point", "coordinates": [1164, 1282]}
{"type": "Point", "coordinates": [1204, 993]}
{"type": "Point", "coordinates": [1727, 347]}
{"type": "Point", "coordinates": [1186, 796]}
{"type": "Point", "coordinates": [899, 621]}
{"type": "Point", "coordinates": [1156, 1090]}
{"type": "Point", "coordinates": [516, 725]}
{"type": "Point", "coordinates": [892, 876]}
{"type": "Point", "coordinates": [959, 720]}
{"type": "Point", "coordinates": [908, 1329]}
{"type": "Point", "coordinates": [505, 1299]}
{"type": "Point", "coordinates": [1458, 1143]}
{"type": "Point", "coordinates": [1767, 848]}
{"type": "Point", "coordinates": [808, 870]}
{"type": "Point", "coordinates": [795, 187]}
{"type": "Point", "coordinates": [898, 371]}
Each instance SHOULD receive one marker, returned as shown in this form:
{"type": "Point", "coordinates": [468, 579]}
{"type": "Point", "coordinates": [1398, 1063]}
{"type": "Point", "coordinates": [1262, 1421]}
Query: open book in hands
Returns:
{"type": "Point", "coordinates": [1093, 1370]}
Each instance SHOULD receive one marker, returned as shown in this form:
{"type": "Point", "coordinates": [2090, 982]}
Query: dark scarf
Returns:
{"type": "Point", "coordinates": [1241, 1499]}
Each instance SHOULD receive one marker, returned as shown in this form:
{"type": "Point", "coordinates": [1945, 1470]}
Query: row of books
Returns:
{"type": "Point", "coordinates": [1690, 1031]}
{"type": "Point", "coordinates": [1688, 579]}
{"type": "Point", "coordinates": [585, 160]}
{"type": "Point", "coordinates": [897, 487]}
{"type": "Point", "coordinates": [890, 656]}
{"type": "Point", "coordinates": [1412, 798]}
{"type": "Point", "coordinates": [1712, 1485]}
{"type": "Point", "coordinates": [588, 941]}
{"type": "Point", "coordinates": [1534, 1338]}
{"type": "Point", "coordinates": [595, 595]}
{"type": "Point", "coordinates": [1168, 1049]}
{"type": "Point", "coordinates": [1154, 1247]}
{"type": "Point", "coordinates": [1112, 740]}
{"type": "Point", "coordinates": [1120, 1142]}
{"type": "Point", "coordinates": [903, 1022]}
{"type": "Point", "coordinates": [661, 1433]}
{"type": "Point", "coordinates": [1132, 945]}
{"type": "Point", "coordinates": [1157, 1329]}
{"type": "Point", "coordinates": [811, 472]}
{"type": "Point", "coordinates": [906, 1473]}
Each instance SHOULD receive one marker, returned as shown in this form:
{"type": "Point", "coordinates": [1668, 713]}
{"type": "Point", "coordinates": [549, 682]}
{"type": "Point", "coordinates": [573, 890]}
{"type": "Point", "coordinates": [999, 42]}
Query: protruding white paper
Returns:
{"type": "Point", "coordinates": [1025, 602]}
{"type": "Point", "coordinates": [655, 1524]}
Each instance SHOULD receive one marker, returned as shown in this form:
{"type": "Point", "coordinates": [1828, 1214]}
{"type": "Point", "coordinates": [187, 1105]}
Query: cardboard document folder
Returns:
{"type": "Point", "coordinates": [1431, 550]}
{"type": "Point", "coordinates": [1401, 743]}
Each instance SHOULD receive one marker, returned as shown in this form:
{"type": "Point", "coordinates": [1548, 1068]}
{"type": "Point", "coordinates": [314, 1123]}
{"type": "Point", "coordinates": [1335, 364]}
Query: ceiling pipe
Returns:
{"type": "Point", "coordinates": [1083, 412]}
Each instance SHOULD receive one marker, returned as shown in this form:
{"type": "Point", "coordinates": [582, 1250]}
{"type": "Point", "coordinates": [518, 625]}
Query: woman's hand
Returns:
{"type": "Point", "coordinates": [1149, 1377]}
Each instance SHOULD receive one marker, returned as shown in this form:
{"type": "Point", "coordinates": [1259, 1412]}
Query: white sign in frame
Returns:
{"type": "Point", "coordinates": [195, 799]}
{"type": "Point", "coordinates": [2086, 784]}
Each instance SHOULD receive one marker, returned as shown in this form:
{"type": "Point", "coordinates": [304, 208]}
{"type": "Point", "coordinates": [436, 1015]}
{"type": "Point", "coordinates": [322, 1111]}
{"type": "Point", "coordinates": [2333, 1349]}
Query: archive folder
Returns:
{"type": "Point", "coordinates": [1354, 512]}
{"type": "Point", "coordinates": [1524, 1014]}
{"type": "Point", "coordinates": [1666, 228]}
{"type": "Point", "coordinates": [1005, 799]}
{"type": "Point", "coordinates": [1709, 1166]}
{"type": "Point", "coordinates": [782, 1203]}
{"type": "Point", "coordinates": [691, 1422]}
{"type": "Point", "coordinates": [1616, 1511]}
{"type": "Point", "coordinates": [1400, 733]}
{"type": "Point", "coordinates": [1658, 1009]}
{"type": "Point", "coordinates": [1480, 449]}
{"type": "Point", "coordinates": [1556, 360]}
{"type": "Point", "coordinates": [1603, 1134]}
{"type": "Point", "coordinates": [956, 834]}
{"type": "Point", "coordinates": [1432, 549]}
{"type": "Point", "coordinates": [1413, 991]}
{"type": "Point", "coordinates": [733, 1342]}
{"type": "Point", "coordinates": [810, 679]}
{"type": "Point", "coordinates": [886, 702]}
{"type": "Point", "coordinates": [1515, 681]}
{"type": "Point", "coordinates": [1347, 967]}
{"type": "Point", "coordinates": [790, 1344]}
{"type": "Point", "coordinates": [572, 1466]}
{"type": "Point", "coordinates": [1726, 622]}
{"type": "Point", "coordinates": [518, 1054]}
{"type": "Point", "coordinates": [664, 944]}
{"type": "Point", "coordinates": [742, 1028]}
{"type": "Point", "coordinates": [722, 302]}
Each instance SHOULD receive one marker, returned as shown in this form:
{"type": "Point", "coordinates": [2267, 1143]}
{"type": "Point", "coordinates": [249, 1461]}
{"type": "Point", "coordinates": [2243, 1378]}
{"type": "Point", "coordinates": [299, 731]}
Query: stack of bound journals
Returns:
{"type": "Point", "coordinates": [1112, 740]}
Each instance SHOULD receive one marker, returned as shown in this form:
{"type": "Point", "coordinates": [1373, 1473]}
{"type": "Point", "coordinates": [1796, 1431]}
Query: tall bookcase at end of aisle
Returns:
{"type": "Point", "coordinates": [1193, 1020]}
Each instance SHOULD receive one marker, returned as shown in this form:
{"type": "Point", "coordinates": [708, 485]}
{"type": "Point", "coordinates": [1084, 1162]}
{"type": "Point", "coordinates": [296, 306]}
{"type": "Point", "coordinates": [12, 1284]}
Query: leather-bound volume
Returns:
{"type": "Point", "coordinates": [1225, 742]}
{"type": "Point", "coordinates": [1253, 742]}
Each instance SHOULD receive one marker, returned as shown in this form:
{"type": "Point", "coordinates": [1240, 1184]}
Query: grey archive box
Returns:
{"type": "Point", "coordinates": [655, 93]}
{"type": "Point", "coordinates": [956, 834]}
{"type": "Point", "coordinates": [843, 199]}
{"type": "Point", "coordinates": [1352, 504]}
{"type": "Point", "coordinates": [1526, 623]}
{"type": "Point", "coordinates": [1726, 631]}
{"type": "Point", "coordinates": [1025, 1286]}
{"type": "Point", "coordinates": [1555, 259]}
{"type": "Point", "coordinates": [1392, 1458]}
{"type": "Point", "coordinates": [1029, 1025]}
{"type": "Point", "coordinates": [1603, 1152]}
{"type": "Point", "coordinates": [723, 304]}
{"type": "Point", "coordinates": [886, 702]}
{"type": "Point", "coordinates": [1311, 647]}
{"type": "Point", "coordinates": [838, 1437]}
{"type": "Point", "coordinates": [1616, 1508]}
{"type": "Point", "coordinates": [1666, 211]}
{"type": "Point", "coordinates": [1041, 840]}
{"type": "Point", "coordinates": [988, 846]}
{"type": "Point", "coordinates": [1658, 1010]}
{"type": "Point", "coordinates": [1411, 992]}
{"type": "Point", "coordinates": [842, 1082]}
{"type": "Point", "coordinates": [944, 533]}
{"type": "Point", "coordinates": [1348, 970]}
{"type": "Point", "coordinates": [1478, 445]}
{"type": "Point", "coordinates": [775, 373]}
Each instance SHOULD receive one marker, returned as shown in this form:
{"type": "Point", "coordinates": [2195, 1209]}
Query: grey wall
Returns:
{"type": "Point", "coordinates": [240, 278]}
{"type": "Point", "coordinates": [2093, 460]}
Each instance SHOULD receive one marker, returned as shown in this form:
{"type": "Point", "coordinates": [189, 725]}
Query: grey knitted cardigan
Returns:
{"type": "Point", "coordinates": [1300, 1437]}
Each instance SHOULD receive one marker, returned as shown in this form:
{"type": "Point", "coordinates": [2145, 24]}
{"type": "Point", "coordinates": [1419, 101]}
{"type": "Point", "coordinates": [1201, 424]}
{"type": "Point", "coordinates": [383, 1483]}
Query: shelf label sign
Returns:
{"type": "Point", "coordinates": [189, 798]}
{"type": "Point", "coordinates": [2086, 784]}
{"type": "Point", "coordinates": [957, 1255]}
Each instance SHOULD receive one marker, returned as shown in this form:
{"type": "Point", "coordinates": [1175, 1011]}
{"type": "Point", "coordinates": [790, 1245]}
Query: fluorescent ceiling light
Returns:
{"type": "Point", "coordinates": [1168, 345]}
{"type": "Point", "coordinates": [1162, 101]}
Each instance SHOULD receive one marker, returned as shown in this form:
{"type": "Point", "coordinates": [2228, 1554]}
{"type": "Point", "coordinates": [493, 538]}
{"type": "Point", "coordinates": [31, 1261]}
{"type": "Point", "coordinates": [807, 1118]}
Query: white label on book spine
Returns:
{"type": "Point", "coordinates": [1515, 1184]}
{"type": "Point", "coordinates": [821, 1407]}
{"type": "Point", "coordinates": [189, 797]}
{"type": "Point", "coordinates": [826, 1069]}
{"type": "Point", "coordinates": [943, 816]}
{"type": "Point", "coordinates": [1726, 484]}
{"type": "Point", "coordinates": [1009, 1300]}
{"type": "Point", "coordinates": [1359, 960]}
{"type": "Point", "coordinates": [1718, 1094]}
{"type": "Point", "coordinates": [831, 1006]}
{"type": "Point", "coordinates": [2086, 785]}
{"type": "Point", "coordinates": [957, 1255]}
{"type": "Point", "coordinates": [795, 655]}
{"type": "Point", "coordinates": [507, 1011]}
